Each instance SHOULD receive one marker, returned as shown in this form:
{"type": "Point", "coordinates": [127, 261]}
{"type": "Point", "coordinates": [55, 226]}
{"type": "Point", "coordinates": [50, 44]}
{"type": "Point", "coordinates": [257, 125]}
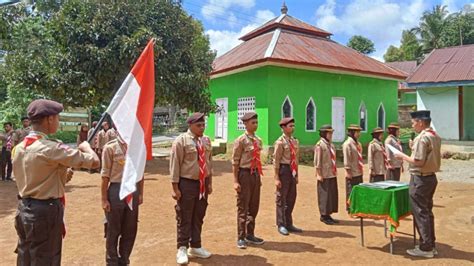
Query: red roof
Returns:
{"type": "Point", "coordinates": [446, 65]}
{"type": "Point", "coordinates": [300, 45]}
{"type": "Point", "coordinates": [405, 66]}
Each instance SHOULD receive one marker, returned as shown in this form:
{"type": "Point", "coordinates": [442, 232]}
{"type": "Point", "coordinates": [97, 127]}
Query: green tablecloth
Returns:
{"type": "Point", "coordinates": [388, 204]}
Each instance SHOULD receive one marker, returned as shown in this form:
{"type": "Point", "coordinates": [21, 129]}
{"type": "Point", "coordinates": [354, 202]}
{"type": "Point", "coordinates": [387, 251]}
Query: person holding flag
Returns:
{"type": "Point", "coordinates": [41, 169]}
{"type": "Point", "coordinates": [353, 160]}
{"type": "Point", "coordinates": [326, 173]}
{"type": "Point", "coordinates": [247, 168]}
{"type": "Point", "coordinates": [377, 157]}
{"type": "Point", "coordinates": [286, 176]}
{"type": "Point", "coordinates": [122, 221]}
{"type": "Point", "coordinates": [191, 178]}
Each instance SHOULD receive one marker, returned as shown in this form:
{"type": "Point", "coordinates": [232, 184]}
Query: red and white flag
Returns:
{"type": "Point", "coordinates": [131, 110]}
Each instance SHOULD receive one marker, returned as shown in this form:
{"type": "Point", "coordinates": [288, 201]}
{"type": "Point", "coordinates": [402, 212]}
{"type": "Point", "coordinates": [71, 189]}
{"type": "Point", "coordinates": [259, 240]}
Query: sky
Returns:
{"type": "Point", "coordinates": [382, 21]}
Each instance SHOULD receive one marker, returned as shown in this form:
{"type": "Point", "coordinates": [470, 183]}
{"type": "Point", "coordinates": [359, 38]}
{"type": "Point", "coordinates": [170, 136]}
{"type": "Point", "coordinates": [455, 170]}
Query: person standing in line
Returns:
{"type": "Point", "coordinates": [326, 173]}
{"type": "Point", "coordinates": [247, 169]}
{"type": "Point", "coordinates": [83, 133]}
{"type": "Point", "coordinates": [378, 160]}
{"type": "Point", "coordinates": [286, 176]}
{"type": "Point", "coordinates": [10, 140]}
{"type": "Point", "coordinates": [396, 165]}
{"type": "Point", "coordinates": [111, 134]}
{"type": "Point", "coordinates": [25, 130]}
{"type": "Point", "coordinates": [353, 160]}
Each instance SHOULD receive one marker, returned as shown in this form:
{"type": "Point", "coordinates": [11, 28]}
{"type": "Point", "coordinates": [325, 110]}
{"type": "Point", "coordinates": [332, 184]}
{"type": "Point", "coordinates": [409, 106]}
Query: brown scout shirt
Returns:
{"type": "Point", "coordinates": [351, 157]}
{"type": "Point", "coordinates": [95, 141]}
{"type": "Point", "coordinates": [111, 134]}
{"type": "Point", "coordinates": [242, 153]}
{"type": "Point", "coordinates": [282, 153]}
{"type": "Point", "coordinates": [395, 142]}
{"type": "Point", "coordinates": [426, 148]}
{"type": "Point", "coordinates": [102, 139]}
{"type": "Point", "coordinates": [22, 133]}
{"type": "Point", "coordinates": [184, 157]}
{"type": "Point", "coordinates": [40, 169]}
{"type": "Point", "coordinates": [113, 161]}
{"type": "Point", "coordinates": [4, 138]}
{"type": "Point", "coordinates": [376, 159]}
{"type": "Point", "coordinates": [322, 158]}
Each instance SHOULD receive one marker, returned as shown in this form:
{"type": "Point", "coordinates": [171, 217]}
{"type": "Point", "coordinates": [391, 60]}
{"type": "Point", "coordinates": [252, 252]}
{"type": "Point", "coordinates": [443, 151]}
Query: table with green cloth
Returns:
{"type": "Point", "coordinates": [390, 204]}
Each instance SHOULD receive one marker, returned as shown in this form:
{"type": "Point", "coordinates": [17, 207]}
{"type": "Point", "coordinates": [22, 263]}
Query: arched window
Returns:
{"type": "Point", "coordinates": [287, 108]}
{"type": "Point", "coordinates": [363, 117]}
{"type": "Point", "coordinates": [310, 115]}
{"type": "Point", "coordinates": [381, 116]}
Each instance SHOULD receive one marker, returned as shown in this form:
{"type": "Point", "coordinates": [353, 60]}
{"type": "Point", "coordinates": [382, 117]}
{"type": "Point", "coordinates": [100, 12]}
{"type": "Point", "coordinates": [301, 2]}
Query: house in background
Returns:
{"type": "Point", "coordinates": [287, 67]}
{"type": "Point", "coordinates": [444, 84]}
{"type": "Point", "coordinates": [406, 96]}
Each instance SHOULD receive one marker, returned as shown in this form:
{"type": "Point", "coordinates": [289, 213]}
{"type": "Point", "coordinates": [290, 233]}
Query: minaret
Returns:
{"type": "Point", "coordinates": [284, 8]}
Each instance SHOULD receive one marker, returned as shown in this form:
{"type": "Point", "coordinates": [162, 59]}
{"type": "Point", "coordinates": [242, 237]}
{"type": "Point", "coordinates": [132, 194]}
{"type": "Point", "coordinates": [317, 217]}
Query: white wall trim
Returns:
{"type": "Point", "coordinates": [384, 116]}
{"type": "Point", "coordinates": [280, 18]}
{"type": "Point", "coordinates": [306, 115]}
{"type": "Point", "coordinates": [283, 103]}
{"type": "Point", "coordinates": [362, 103]}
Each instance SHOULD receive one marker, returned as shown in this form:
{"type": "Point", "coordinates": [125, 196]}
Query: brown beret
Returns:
{"type": "Point", "coordinates": [377, 130]}
{"type": "Point", "coordinates": [42, 108]}
{"type": "Point", "coordinates": [394, 125]}
{"type": "Point", "coordinates": [354, 127]}
{"type": "Point", "coordinates": [326, 128]}
{"type": "Point", "coordinates": [248, 116]}
{"type": "Point", "coordinates": [194, 118]}
{"type": "Point", "coordinates": [285, 121]}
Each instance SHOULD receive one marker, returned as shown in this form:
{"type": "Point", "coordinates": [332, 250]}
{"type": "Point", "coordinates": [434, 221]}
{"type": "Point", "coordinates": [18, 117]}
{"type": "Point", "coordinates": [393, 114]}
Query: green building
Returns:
{"type": "Point", "coordinates": [287, 67]}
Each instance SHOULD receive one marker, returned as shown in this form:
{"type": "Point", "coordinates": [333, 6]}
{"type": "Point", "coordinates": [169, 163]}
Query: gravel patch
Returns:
{"type": "Point", "coordinates": [456, 171]}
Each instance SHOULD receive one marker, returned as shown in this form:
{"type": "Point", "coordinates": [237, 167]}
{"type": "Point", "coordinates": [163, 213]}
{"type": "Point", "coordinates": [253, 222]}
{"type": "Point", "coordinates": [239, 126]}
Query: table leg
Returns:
{"type": "Point", "coordinates": [385, 228]}
{"type": "Point", "coordinates": [391, 244]}
{"type": "Point", "coordinates": [362, 231]}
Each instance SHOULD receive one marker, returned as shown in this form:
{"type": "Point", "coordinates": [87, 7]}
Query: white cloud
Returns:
{"type": "Point", "coordinates": [218, 10]}
{"type": "Point", "coordinates": [451, 5]}
{"type": "Point", "coordinates": [382, 21]}
{"type": "Point", "coordinates": [224, 40]}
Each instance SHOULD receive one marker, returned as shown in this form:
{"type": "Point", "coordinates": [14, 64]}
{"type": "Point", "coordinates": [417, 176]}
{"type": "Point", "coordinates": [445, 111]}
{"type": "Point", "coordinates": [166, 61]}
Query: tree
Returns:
{"type": "Point", "coordinates": [410, 48]}
{"type": "Point", "coordinates": [393, 54]}
{"type": "Point", "coordinates": [361, 44]}
{"type": "Point", "coordinates": [431, 28]}
{"type": "Point", "coordinates": [79, 52]}
{"type": "Point", "coordinates": [459, 29]}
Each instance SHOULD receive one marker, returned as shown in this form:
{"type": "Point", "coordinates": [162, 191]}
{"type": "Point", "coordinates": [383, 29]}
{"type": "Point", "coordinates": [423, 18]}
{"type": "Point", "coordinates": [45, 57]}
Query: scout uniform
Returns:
{"type": "Point", "coordinates": [377, 158]}
{"type": "Point", "coordinates": [111, 134]}
{"type": "Point", "coordinates": [246, 157]}
{"type": "Point", "coordinates": [10, 139]}
{"type": "Point", "coordinates": [40, 166]}
{"type": "Point", "coordinates": [394, 171]}
{"type": "Point", "coordinates": [121, 220]}
{"type": "Point", "coordinates": [353, 161]}
{"type": "Point", "coordinates": [286, 164]}
{"type": "Point", "coordinates": [423, 182]}
{"type": "Point", "coordinates": [325, 162]}
{"type": "Point", "coordinates": [95, 141]}
{"type": "Point", "coordinates": [191, 169]}
{"type": "Point", "coordinates": [22, 133]}
{"type": "Point", "coordinates": [102, 140]}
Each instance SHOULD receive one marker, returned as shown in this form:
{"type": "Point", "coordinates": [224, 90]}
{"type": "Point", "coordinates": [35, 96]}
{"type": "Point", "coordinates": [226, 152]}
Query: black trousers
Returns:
{"type": "Point", "coordinates": [122, 225]}
{"type": "Point", "coordinates": [422, 189]}
{"type": "Point", "coordinates": [377, 178]}
{"type": "Point", "coordinates": [285, 197]}
{"type": "Point", "coordinates": [328, 196]}
{"type": "Point", "coordinates": [394, 174]}
{"type": "Point", "coordinates": [350, 183]}
{"type": "Point", "coordinates": [39, 225]}
{"type": "Point", "coordinates": [6, 164]}
{"type": "Point", "coordinates": [190, 212]}
{"type": "Point", "coordinates": [248, 202]}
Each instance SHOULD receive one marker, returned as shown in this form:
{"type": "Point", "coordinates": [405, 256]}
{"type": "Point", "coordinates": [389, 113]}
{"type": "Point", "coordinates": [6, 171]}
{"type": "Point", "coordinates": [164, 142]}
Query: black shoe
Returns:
{"type": "Point", "coordinates": [294, 229]}
{"type": "Point", "coordinates": [326, 220]}
{"type": "Point", "coordinates": [254, 240]}
{"type": "Point", "coordinates": [333, 220]}
{"type": "Point", "coordinates": [242, 244]}
{"type": "Point", "coordinates": [282, 230]}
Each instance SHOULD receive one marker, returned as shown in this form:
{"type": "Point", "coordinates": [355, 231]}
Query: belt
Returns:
{"type": "Point", "coordinates": [284, 164]}
{"type": "Point", "coordinates": [424, 174]}
{"type": "Point", "coordinates": [40, 201]}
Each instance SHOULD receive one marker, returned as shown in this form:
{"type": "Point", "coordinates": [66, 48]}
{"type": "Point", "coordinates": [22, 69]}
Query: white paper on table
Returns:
{"type": "Point", "coordinates": [394, 150]}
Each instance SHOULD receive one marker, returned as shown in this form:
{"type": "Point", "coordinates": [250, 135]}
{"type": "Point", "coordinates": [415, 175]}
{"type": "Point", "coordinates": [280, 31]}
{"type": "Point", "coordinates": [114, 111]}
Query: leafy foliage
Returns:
{"type": "Point", "coordinates": [361, 44]}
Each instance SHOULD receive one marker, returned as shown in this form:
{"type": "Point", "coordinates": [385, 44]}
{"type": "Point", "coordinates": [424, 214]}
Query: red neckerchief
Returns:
{"type": "Point", "coordinates": [430, 130]}
{"type": "Point", "coordinates": [256, 164]}
{"type": "Point", "coordinates": [385, 156]}
{"type": "Point", "coordinates": [293, 164]}
{"type": "Point", "coordinates": [202, 167]}
{"type": "Point", "coordinates": [332, 155]}
{"type": "Point", "coordinates": [359, 156]}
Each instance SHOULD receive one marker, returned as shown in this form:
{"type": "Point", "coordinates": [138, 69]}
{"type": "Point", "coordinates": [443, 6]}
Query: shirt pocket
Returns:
{"type": "Point", "coordinates": [190, 152]}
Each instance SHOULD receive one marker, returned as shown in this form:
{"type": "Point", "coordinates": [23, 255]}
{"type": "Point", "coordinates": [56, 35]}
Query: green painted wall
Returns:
{"type": "Point", "coordinates": [272, 84]}
{"type": "Point", "coordinates": [468, 105]}
{"type": "Point", "coordinates": [408, 98]}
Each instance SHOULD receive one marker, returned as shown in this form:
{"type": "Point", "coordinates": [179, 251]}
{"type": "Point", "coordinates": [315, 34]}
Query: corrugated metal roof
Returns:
{"type": "Point", "coordinates": [405, 66]}
{"type": "Point", "coordinates": [446, 65]}
{"type": "Point", "coordinates": [305, 50]}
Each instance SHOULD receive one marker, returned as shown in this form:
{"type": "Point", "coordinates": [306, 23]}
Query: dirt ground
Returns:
{"type": "Point", "coordinates": [318, 244]}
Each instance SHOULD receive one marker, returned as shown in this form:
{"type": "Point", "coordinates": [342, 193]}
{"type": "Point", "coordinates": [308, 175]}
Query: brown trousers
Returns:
{"type": "Point", "coordinates": [121, 223]}
{"type": "Point", "coordinates": [285, 197]}
{"type": "Point", "coordinates": [350, 183]}
{"type": "Point", "coordinates": [248, 202]}
{"type": "Point", "coordinates": [39, 225]}
{"type": "Point", "coordinates": [394, 174]}
{"type": "Point", "coordinates": [328, 196]}
{"type": "Point", "coordinates": [6, 164]}
{"type": "Point", "coordinates": [422, 189]}
{"type": "Point", "coordinates": [190, 212]}
{"type": "Point", "coordinates": [377, 178]}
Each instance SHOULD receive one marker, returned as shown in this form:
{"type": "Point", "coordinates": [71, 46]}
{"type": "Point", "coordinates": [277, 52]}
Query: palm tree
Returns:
{"type": "Point", "coordinates": [431, 27]}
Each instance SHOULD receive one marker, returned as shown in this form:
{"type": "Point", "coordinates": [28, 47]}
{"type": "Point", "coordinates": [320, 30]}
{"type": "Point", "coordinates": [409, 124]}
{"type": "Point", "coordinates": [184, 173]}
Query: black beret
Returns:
{"type": "Point", "coordinates": [354, 127]}
{"type": "Point", "coordinates": [377, 130]}
{"type": "Point", "coordinates": [326, 128]}
{"type": "Point", "coordinates": [285, 121]}
{"type": "Point", "coordinates": [42, 108]}
{"type": "Point", "coordinates": [423, 115]}
{"type": "Point", "coordinates": [194, 118]}
{"type": "Point", "coordinates": [248, 116]}
{"type": "Point", "coordinates": [24, 118]}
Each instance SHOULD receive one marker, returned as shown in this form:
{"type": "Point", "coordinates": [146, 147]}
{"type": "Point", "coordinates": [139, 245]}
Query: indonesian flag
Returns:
{"type": "Point", "coordinates": [131, 110]}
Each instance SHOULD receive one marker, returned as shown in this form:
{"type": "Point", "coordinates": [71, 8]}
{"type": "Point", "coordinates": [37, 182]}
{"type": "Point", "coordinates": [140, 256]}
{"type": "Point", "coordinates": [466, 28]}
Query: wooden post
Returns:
{"type": "Point", "coordinates": [461, 113]}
